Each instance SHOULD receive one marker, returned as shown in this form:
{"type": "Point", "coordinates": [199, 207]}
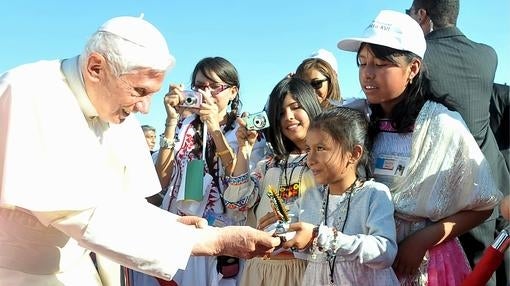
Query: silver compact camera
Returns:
{"type": "Point", "coordinates": [256, 121]}
{"type": "Point", "coordinates": [192, 99]}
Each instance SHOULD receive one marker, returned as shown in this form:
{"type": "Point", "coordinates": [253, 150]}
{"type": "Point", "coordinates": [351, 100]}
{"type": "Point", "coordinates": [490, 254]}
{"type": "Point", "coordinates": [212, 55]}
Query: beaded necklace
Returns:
{"type": "Point", "coordinates": [331, 256]}
{"type": "Point", "coordinates": [289, 191]}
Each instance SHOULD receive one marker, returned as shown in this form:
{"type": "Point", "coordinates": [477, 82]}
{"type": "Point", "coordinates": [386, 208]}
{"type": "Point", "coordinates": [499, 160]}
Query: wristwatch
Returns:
{"type": "Point", "coordinates": [166, 143]}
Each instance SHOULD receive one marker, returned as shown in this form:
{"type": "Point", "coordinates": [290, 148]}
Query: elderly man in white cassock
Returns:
{"type": "Point", "coordinates": [60, 201]}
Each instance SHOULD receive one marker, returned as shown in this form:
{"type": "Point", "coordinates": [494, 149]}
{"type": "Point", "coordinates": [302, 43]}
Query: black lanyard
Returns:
{"type": "Point", "coordinates": [332, 260]}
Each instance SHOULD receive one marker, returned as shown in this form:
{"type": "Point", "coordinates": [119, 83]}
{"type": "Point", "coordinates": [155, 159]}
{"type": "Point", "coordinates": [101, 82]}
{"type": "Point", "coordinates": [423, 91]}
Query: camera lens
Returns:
{"type": "Point", "coordinates": [190, 100]}
{"type": "Point", "coordinates": [259, 121]}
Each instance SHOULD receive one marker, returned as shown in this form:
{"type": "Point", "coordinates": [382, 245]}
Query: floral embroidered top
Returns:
{"type": "Point", "coordinates": [291, 178]}
{"type": "Point", "coordinates": [213, 206]}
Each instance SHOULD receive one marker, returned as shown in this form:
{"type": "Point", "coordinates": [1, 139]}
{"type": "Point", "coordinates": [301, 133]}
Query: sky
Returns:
{"type": "Point", "coordinates": [264, 39]}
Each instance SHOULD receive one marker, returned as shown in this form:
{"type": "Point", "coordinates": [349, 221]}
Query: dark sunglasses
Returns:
{"type": "Point", "coordinates": [317, 83]}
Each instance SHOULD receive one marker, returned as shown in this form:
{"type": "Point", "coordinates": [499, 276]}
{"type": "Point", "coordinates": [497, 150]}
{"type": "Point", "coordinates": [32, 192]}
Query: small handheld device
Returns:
{"type": "Point", "coordinates": [256, 121]}
{"type": "Point", "coordinates": [192, 99]}
{"type": "Point", "coordinates": [281, 227]}
{"type": "Point", "coordinates": [277, 204]}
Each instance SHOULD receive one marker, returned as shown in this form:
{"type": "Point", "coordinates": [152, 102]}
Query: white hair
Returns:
{"type": "Point", "coordinates": [125, 56]}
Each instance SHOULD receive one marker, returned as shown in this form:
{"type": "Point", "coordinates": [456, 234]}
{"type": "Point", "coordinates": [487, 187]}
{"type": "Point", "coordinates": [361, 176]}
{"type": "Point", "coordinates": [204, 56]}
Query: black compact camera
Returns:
{"type": "Point", "coordinates": [256, 121]}
{"type": "Point", "coordinates": [192, 99]}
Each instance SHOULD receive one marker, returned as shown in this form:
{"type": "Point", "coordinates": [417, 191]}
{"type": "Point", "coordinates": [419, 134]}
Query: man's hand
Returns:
{"type": "Point", "coordinates": [198, 222]}
{"type": "Point", "coordinates": [238, 241]}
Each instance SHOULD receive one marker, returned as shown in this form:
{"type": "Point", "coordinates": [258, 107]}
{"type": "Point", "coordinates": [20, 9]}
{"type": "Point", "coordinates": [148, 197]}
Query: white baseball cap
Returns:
{"type": "Point", "coordinates": [141, 33]}
{"type": "Point", "coordinates": [326, 56]}
{"type": "Point", "coordinates": [390, 29]}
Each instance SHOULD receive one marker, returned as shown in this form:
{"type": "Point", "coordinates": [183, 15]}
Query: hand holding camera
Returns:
{"type": "Point", "coordinates": [172, 99]}
{"type": "Point", "coordinates": [249, 125]}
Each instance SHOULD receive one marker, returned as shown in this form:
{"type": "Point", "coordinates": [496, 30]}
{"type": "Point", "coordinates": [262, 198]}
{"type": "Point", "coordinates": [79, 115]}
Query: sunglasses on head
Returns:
{"type": "Point", "coordinates": [317, 83]}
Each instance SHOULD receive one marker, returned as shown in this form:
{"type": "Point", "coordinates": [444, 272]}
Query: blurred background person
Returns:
{"type": "Point", "coordinates": [320, 70]}
{"type": "Point", "coordinates": [150, 136]}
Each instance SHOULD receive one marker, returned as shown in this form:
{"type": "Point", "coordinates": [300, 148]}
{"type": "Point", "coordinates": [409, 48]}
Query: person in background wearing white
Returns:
{"type": "Point", "coordinates": [60, 201]}
{"type": "Point", "coordinates": [321, 71]}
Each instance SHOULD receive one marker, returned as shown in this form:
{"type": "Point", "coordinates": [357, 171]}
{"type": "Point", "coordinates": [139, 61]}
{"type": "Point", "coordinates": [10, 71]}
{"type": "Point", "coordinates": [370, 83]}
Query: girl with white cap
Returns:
{"type": "Point", "coordinates": [440, 182]}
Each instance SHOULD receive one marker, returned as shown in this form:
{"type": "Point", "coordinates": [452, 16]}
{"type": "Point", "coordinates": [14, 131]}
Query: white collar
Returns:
{"type": "Point", "coordinates": [71, 69]}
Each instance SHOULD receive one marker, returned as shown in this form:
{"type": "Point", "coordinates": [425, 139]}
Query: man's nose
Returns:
{"type": "Point", "coordinates": [144, 104]}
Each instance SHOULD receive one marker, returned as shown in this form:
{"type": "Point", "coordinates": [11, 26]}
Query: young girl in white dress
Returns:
{"type": "Point", "coordinates": [347, 222]}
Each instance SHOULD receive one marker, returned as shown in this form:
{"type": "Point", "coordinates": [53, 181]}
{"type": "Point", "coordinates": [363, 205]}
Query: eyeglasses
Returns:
{"type": "Point", "coordinates": [317, 83]}
{"type": "Point", "coordinates": [215, 88]}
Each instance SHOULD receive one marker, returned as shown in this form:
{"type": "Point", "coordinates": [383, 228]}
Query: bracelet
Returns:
{"type": "Point", "coordinates": [224, 152]}
{"type": "Point", "coordinates": [168, 124]}
{"type": "Point", "coordinates": [166, 143]}
{"type": "Point", "coordinates": [315, 232]}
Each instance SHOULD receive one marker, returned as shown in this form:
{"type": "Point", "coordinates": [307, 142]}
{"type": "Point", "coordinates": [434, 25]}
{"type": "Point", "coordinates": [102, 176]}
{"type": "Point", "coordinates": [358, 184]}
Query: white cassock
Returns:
{"type": "Point", "coordinates": [70, 183]}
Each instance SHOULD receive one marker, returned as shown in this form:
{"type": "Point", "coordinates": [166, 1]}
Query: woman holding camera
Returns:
{"type": "Point", "coordinates": [291, 106]}
{"type": "Point", "coordinates": [215, 87]}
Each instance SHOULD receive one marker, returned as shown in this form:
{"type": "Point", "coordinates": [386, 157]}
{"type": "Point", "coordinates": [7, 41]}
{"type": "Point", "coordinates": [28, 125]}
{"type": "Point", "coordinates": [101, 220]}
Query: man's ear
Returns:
{"type": "Point", "coordinates": [95, 67]}
{"type": "Point", "coordinates": [423, 16]}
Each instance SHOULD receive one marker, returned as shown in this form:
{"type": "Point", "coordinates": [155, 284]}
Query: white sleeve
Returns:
{"type": "Point", "coordinates": [132, 233]}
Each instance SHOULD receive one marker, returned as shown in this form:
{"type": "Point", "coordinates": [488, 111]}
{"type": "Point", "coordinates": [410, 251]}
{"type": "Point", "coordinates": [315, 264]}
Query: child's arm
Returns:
{"type": "Point", "coordinates": [246, 140]}
{"type": "Point", "coordinates": [412, 249]}
{"type": "Point", "coordinates": [374, 244]}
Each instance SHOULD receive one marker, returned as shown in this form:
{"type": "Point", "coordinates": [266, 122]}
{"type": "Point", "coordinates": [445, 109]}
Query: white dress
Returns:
{"type": "Point", "coordinates": [70, 185]}
{"type": "Point", "coordinates": [367, 246]}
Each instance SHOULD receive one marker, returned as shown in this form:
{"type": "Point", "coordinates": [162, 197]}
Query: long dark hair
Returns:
{"type": "Point", "coordinates": [304, 94]}
{"type": "Point", "coordinates": [413, 97]}
{"type": "Point", "coordinates": [226, 71]}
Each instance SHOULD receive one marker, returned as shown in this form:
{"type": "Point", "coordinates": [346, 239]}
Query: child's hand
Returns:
{"type": "Point", "coordinates": [303, 237]}
{"type": "Point", "coordinates": [409, 256]}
